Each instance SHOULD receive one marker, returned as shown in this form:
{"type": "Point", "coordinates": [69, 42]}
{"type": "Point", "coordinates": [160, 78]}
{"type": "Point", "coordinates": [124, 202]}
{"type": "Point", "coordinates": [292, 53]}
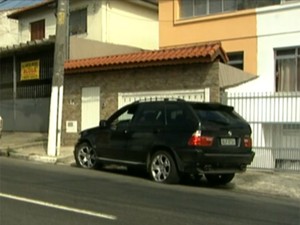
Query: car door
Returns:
{"type": "Point", "coordinates": [112, 147]}
{"type": "Point", "coordinates": [144, 131]}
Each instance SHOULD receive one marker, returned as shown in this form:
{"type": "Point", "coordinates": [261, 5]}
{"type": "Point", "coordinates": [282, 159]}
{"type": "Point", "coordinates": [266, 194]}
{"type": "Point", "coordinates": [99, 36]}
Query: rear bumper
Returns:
{"type": "Point", "coordinates": [210, 163]}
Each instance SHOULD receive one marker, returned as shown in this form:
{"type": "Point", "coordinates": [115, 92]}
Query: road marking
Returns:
{"type": "Point", "coordinates": [51, 205]}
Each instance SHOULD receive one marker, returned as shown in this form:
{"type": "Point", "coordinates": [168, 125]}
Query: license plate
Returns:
{"type": "Point", "coordinates": [228, 141]}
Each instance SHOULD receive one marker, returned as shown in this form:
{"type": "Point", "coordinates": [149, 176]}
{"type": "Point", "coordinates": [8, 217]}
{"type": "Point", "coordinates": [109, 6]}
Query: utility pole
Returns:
{"type": "Point", "coordinates": [56, 103]}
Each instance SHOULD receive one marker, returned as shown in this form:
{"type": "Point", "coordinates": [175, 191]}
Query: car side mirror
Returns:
{"type": "Point", "coordinates": [103, 123]}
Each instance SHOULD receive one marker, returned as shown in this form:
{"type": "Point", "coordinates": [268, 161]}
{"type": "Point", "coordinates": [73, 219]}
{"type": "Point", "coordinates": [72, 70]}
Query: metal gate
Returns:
{"type": "Point", "coordinates": [275, 123]}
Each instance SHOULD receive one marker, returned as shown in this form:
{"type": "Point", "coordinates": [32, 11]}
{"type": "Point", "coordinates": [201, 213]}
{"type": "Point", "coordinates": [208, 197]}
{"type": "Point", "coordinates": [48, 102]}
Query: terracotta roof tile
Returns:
{"type": "Point", "coordinates": [189, 54]}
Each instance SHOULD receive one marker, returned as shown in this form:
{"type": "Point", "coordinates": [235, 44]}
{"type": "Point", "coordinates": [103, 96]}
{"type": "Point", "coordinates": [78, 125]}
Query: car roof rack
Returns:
{"type": "Point", "coordinates": [155, 99]}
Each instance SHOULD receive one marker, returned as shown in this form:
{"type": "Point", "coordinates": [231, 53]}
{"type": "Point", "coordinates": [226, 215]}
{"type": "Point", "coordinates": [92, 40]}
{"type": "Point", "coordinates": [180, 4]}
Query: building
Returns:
{"type": "Point", "coordinates": [95, 21]}
{"type": "Point", "coordinates": [96, 28]}
{"type": "Point", "coordinates": [262, 38]}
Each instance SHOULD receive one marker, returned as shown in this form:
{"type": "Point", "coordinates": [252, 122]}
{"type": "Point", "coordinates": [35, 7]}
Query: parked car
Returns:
{"type": "Point", "coordinates": [1, 126]}
{"type": "Point", "coordinates": [171, 139]}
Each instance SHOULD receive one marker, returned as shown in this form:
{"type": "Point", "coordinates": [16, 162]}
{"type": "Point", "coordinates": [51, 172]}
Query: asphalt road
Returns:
{"type": "Point", "coordinates": [32, 193]}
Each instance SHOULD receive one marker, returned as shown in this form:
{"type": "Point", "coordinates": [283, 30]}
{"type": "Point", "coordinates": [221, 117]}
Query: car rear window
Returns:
{"type": "Point", "coordinates": [221, 115]}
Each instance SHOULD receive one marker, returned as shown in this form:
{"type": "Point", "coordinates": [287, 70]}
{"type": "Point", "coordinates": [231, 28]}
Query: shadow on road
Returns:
{"type": "Point", "coordinates": [198, 181]}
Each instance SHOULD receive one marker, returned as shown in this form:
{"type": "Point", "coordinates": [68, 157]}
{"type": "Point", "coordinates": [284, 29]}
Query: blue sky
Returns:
{"type": "Point", "coordinates": [12, 4]}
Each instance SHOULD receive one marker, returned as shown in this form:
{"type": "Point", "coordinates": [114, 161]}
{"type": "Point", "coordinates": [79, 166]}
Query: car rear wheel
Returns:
{"type": "Point", "coordinates": [219, 179]}
{"type": "Point", "coordinates": [85, 156]}
{"type": "Point", "coordinates": [163, 168]}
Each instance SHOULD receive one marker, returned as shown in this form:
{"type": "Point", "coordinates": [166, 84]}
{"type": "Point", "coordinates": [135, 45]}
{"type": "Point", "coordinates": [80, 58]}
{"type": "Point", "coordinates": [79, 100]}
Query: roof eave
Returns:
{"type": "Point", "coordinates": [16, 14]}
{"type": "Point", "coordinates": [135, 65]}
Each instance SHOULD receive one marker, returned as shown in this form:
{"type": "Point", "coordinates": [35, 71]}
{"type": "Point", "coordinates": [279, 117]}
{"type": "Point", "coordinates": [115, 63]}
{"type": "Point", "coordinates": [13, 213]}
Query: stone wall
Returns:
{"type": "Point", "coordinates": [162, 78]}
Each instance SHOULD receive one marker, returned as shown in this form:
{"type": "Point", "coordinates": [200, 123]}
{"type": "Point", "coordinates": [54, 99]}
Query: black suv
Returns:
{"type": "Point", "coordinates": [171, 139]}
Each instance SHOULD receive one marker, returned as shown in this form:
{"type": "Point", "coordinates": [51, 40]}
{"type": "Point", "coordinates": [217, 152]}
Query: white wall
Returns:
{"type": "Point", "coordinates": [130, 24]}
{"type": "Point", "coordinates": [277, 27]}
{"type": "Point", "coordinates": [120, 22]}
{"type": "Point", "coordinates": [8, 30]}
{"type": "Point", "coordinates": [24, 24]}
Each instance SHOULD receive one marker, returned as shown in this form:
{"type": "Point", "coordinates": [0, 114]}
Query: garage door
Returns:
{"type": "Point", "coordinates": [199, 95]}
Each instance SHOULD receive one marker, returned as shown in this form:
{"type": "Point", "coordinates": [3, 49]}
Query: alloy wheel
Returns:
{"type": "Point", "coordinates": [86, 157]}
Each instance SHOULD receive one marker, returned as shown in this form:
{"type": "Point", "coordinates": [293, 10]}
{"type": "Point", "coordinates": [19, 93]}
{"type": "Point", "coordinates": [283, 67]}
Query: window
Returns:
{"type": "Point", "coordinates": [37, 30]}
{"type": "Point", "coordinates": [78, 22]}
{"type": "Point", "coordinates": [150, 115]}
{"type": "Point", "coordinates": [122, 119]}
{"type": "Point", "coordinates": [236, 59]}
{"type": "Point", "coordinates": [192, 8]}
{"type": "Point", "coordinates": [287, 77]}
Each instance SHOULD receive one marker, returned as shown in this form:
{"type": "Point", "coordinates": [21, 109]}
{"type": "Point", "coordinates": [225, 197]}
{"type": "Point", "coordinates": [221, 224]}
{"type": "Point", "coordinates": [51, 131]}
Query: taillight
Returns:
{"type": "Point", "coordinates": [198, 140]}
{"type": "Point", "coordinates": [247, 142]}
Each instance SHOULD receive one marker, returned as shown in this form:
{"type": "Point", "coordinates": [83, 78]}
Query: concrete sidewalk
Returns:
{"type": "Point", "coordinates": [33, 146]}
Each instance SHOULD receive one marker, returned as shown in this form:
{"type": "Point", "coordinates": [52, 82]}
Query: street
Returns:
{"type": "Point", "coordinates": [33, 193]}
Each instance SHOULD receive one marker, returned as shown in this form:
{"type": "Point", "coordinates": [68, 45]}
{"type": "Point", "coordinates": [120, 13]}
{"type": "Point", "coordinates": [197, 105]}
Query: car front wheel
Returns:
{"type": "Point", "coordinates": [85, 156]}
{"type": "Point", "coordinates": [163, 168]}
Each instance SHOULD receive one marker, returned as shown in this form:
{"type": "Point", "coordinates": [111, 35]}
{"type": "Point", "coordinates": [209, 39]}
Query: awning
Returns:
{"type": "Point", "coordinates": [230, 76]}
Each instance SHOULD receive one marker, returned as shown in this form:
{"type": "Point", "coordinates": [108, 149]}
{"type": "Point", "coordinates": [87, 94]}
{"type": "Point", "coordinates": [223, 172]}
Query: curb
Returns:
{"type": "Point", "coordinates": [36, 158]}
{"type": "Point", "coordinates": [12, 153]}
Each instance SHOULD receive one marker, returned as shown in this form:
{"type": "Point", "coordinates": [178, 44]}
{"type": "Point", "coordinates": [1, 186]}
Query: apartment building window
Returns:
{"type": "Point", "coordinates": [78, 22]}
{"type": "Point", "coordinates": [193, 8]}
{"type": "Point", "coordinates": [287, 77]}
{"type": "Point", "coordinates": [37, 30]}
{"type": "Point", "coordinates": [236, 59]}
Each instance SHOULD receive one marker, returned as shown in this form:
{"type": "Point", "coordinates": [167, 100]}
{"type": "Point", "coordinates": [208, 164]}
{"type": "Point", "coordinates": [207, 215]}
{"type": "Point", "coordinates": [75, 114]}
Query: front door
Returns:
{"type": "Point", "coordinates": [112, 140]}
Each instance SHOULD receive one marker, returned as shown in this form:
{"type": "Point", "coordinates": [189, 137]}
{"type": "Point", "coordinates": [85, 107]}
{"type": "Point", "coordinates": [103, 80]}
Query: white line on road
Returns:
{"type": "Point", "coordinates": [51, 205]}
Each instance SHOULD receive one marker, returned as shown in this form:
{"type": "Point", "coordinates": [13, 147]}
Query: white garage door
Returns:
{"type": "Point", "coordinates": [199, 95]}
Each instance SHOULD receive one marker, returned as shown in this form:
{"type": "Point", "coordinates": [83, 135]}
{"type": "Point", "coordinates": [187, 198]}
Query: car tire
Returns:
{"type": "Point", "coordinates": [163, 168]}
{"type": "Point", "coordinates": [219, 179]}
{"type": "Point", "coordinates": [85, 156]}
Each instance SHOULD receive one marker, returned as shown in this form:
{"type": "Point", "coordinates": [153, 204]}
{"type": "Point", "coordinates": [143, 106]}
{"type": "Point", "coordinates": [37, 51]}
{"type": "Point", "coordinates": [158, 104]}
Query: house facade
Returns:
{"type": "Point", "coordinates": [255, 36]}
{"type": "Point", "coordinates": [96, 28]}
{"type": "Point", "coordinates": [9, 28]}
{"type": "Point", "coordinates": [109, 21]}
{"type": "Point", "coordinates": [262, 38]}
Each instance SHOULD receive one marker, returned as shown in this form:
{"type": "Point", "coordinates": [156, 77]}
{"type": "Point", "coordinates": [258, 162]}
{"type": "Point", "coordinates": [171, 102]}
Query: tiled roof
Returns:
{"type": "Point", "coordinates": [190, 54]}
{"type": "Point", "coordinates": [26, 46]}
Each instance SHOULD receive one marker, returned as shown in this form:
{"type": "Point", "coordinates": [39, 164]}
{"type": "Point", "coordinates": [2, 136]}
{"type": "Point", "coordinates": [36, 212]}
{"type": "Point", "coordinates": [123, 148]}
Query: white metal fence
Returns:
{"type": "Point", "coordinates": [275, 123]}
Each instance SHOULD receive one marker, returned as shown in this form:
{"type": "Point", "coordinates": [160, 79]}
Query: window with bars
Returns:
{"type": "Point", "coordinates": [37, 30]}
{"type": "Point", "coordinates": [194, 8]}
{"type": "Point", "coordinates": [78, 22]}
{"type": "Point", "coordinates": [287, 73]}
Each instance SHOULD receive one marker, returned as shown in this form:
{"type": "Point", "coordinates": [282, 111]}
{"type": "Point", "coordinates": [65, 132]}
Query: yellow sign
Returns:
{"type": "Point", "coordinates": [30, 70]}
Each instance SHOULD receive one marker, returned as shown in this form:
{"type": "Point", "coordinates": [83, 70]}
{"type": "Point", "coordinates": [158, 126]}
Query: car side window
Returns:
{"type": "Point", "coordinates": [123, 120]}
{"type": "Point", "coordinates": [179, 116]}
{"type": "Point", "coordinates": [150, 115]}
{"type": "Point", "coordinates": [175, 114]}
